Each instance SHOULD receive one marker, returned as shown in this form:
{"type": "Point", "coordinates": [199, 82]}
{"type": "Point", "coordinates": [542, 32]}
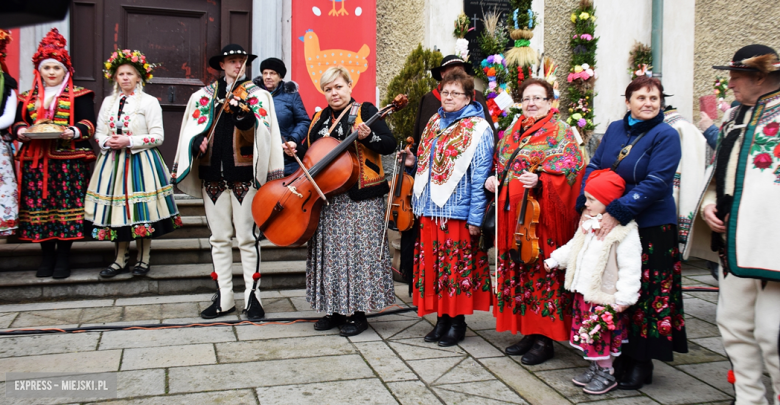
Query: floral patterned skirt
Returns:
{"type": "Point", "coordinates": [529, 300]}
{"type": "Point", "coordinates": [344, 271]}
{"type": "Point", "coordinates": [60, 215]}
{"type": "Point", "coordinates": [130, 196]}
{"type": "Point", "coordinates": [657, 326]}
{"type": "Point", "coordinates": [9, 192]}
{"type": "Point", "coordinates": [451, 275]}
{"type": "Point", "coordinates": [611, 340]}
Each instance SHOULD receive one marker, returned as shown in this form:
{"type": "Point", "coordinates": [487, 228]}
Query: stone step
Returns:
{"type": "Point", "coordinates": [16, 286]}
{"type": "Point", "coordinates": [190, 207]}
{"type": "Point", "coordinates": [93, 254]}
{"type": "Point", "coordinates": [192, 227]}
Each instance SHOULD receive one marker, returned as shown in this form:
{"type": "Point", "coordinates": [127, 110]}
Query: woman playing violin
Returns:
{"type": "Point", "coordinates": [451, 276]}
{"type": "Point", "coordinates": [530, 300]}
{"type": "Point", "coordinates": [347, 270]}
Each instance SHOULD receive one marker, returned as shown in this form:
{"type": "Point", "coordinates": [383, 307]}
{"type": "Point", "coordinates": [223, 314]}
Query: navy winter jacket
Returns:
{"type": "Point", "coordinates": [648, 171]}
{"type": "Point", "coordinates": [291, 116]}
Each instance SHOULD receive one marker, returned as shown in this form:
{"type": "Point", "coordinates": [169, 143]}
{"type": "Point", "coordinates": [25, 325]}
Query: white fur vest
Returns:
{"type": "Point", "coordinates": [604, 272]}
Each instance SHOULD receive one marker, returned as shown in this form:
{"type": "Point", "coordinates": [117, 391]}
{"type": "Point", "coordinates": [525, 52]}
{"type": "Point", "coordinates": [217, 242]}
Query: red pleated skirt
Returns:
{"type": "Point", "coordinates": [451, 275]}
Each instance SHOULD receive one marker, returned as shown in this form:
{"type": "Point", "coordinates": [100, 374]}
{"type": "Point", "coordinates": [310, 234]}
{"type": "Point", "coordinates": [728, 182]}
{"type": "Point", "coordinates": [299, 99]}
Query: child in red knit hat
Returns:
{"type": "Point", "coordinates": [605, 276]}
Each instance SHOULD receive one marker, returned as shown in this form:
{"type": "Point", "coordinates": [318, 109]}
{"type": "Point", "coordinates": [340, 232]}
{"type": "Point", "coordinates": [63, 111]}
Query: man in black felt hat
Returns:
{"type": "Point", "coordinates": [224, 156]}
{"type": "Point", "coordinates": [740, 209]}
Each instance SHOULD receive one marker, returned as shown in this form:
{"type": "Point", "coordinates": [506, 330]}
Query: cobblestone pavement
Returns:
{"type": "Point", "coordinates": [294, 364]}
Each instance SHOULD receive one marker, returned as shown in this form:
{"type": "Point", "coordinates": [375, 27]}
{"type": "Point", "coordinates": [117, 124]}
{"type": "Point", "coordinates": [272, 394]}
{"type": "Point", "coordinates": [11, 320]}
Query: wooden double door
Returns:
{"type": "Point", "coordinates": [181, 35]}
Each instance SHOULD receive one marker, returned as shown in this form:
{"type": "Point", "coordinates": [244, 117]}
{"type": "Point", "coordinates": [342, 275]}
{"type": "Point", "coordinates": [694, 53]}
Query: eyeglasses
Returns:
{"type": "Point", "coordinates": [536, 100]}
{"type": "Point", "coordinates": [451, 93]}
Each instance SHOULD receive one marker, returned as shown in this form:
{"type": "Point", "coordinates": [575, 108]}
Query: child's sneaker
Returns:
{"type": "Point", "coordinates": [584, 378]}
{"type": "Point", "coordinates": [603, 381]}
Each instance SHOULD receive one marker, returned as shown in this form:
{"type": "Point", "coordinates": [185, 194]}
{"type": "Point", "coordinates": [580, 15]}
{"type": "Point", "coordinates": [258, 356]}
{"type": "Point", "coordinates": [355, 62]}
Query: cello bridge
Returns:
{"type": "Point", "coordinates": [294, 191]}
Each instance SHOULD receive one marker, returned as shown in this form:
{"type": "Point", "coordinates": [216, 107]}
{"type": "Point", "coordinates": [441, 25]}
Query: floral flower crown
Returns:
{"type": "Point", "coordinates": [128, 57]}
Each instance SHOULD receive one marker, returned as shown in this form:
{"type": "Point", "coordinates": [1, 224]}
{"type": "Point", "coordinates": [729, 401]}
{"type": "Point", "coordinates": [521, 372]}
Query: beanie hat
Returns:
{"type": "Point", "coordinates": [274, 64]}
{"type": "Point", "coordinates": [605, 185]}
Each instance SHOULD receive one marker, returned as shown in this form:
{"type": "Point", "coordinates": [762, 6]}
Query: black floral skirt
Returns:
{"type": "Point", "coordinates": [656, 322]}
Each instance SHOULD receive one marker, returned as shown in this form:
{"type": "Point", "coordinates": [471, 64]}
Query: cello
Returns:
{"type": "Point", "coordinates": [399, 201]}
{"type": "Point", "coordinates": [287, 210]}
{"type": "Point", "coordinates": [525, 242]}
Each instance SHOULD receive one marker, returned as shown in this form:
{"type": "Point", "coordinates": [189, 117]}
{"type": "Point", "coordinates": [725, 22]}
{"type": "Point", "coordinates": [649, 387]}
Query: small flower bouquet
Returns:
{"type": "Point", "coordinates": [602, 318]}
{"type": "Point", "coordinates": [720, 87]}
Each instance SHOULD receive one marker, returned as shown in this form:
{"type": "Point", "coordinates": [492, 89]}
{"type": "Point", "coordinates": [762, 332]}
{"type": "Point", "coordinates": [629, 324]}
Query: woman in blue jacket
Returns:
{"type": "Point", "coordinates": [290, 112]}
{"type": "Point", "coordinates": [656, 325]}
{"type": "Point", "coordinates": [454, 158]}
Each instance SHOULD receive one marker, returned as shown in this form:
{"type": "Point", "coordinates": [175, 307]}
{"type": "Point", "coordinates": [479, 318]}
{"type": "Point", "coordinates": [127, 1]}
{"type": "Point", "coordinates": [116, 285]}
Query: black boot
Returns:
{"type": "Point", "coordinates": [329, 322]}
{"type": "Point", "coordinates": [456, 333]}
{"type": "Point", "coordinates": [637, 376]}
{"type": "Point", "coordinates": [541, 351]}
{"type": "Point", "coordinates": [254, 311]}
{"type": "Point", "coordinates": [522, 347]}
{"type": "Point", "coordinates": [62, 268]}
{"type": "Point", "coordinates": [442, 326]}
{"type": "Point", "coordinates": [48, 259]}
{"type": "Point", "coordinates": [355, 325]}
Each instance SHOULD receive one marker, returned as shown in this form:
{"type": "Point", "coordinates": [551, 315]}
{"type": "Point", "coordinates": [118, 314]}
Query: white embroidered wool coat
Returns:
{"type": "Point", "coordinates": [586, 258]}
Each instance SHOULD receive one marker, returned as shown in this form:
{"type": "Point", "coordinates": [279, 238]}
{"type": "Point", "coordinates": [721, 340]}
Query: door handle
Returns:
{"type": "Point", "coordinates": [171, 94]}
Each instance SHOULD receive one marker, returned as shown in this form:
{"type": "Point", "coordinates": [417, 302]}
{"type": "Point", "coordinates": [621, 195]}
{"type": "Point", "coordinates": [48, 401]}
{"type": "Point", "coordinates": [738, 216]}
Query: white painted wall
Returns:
{"type": "Point", "coordinates": [271, 33]}
{"type": "Point", "coordinates": [440, 18]}
{"type": "Point", "coordinates": [537, 42]}
{"type": "Point", "coordinates": [620, 23]}
{"type": "Point", "coordinates": [678, 40]}
{"type": "Point", "coordinates": [29, 38]}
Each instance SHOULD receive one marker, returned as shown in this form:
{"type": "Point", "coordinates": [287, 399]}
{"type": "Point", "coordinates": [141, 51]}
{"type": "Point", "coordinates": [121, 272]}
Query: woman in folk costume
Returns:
{"type": "Point", "coordinates": [454, 157]}
{"type": "Point", "coordinates": [656, 326]}
{"type": "Point", "coordinates": [347, 270]}
{"type": "Point", "coordinates": [539, 153]}
{"type": "Point", "coordinates": [54, 172]}
{"type": "Point", "coordinates": [9, 191]}
{"type": "Point", "coordinates": [130, 196]}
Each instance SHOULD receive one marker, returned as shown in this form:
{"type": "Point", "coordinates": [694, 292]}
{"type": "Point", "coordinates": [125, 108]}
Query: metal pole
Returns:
{"type": "Point", "coordinates": [657, 41]}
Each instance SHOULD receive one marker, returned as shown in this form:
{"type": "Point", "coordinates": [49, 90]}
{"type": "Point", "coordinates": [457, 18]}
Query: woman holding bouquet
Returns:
{"type": "Point", "coordinates": [130, 196]}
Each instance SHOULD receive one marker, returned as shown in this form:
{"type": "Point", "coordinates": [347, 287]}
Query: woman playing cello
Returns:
{"type": "Point", "coordinates": [347, 270]}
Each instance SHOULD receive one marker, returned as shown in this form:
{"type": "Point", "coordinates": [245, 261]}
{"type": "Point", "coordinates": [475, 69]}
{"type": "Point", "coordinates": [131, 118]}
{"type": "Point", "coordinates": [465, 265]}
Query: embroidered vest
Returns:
{"type": "Point", "coordinates": [369, 160]}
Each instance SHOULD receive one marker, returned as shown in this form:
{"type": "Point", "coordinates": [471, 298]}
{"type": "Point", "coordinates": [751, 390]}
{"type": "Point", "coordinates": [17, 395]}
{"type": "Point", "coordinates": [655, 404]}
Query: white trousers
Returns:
{"type": "Point", "coordinates": [749, 321]}
{"type": "Point", "coordinates": [223, 217]}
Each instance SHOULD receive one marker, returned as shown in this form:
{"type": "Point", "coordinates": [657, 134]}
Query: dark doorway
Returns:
{"type": "Point", "coordinates": [181, 35]}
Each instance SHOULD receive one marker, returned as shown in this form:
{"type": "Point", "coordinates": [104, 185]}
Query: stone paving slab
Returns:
{"type": "Point", "coordinates": [246, 375]}
{"type": "Point", "coordinates": [385, 362]}
{"type": "Point", "coordinates": [75, 363]}
{"type": "Point", "coordinates": [165, 337]}
{"type": "Point", "coordinates": [491, 390]}
{"type": "Point", "coordinates": [413, 392]}
{"type": "Point", "coordinates": [232, 397]}
{"type": "Point", "coordinates": [369, 391]}
{"type": "Point", "coordinates": [168, 356]}
{"type": "Point", "coordinates": [672, 386]}
{"type": "Point", "coordinates": [55, 305]}
{"type": "Point", "coordinates": [37, 345]}
{"type": "Point", "coordinates": [278, 349]}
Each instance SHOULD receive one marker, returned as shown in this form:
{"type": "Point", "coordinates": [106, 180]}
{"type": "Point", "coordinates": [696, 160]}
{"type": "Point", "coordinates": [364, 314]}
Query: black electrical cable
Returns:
{"type": "Point", "coordinates": [156, 326]}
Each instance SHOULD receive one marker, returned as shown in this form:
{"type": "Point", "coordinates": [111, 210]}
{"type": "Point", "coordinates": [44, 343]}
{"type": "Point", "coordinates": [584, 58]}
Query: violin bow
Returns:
{"type": "Point", "coordinates": [227, 94]}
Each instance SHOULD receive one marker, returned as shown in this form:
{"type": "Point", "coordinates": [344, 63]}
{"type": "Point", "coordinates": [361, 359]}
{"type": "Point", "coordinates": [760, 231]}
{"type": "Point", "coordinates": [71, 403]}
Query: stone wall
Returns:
{"type": "Point", "coordinates": [557, 31]}
{"type": "Point", "coordinates": [724, 26]}
{"type": "Point", "coordinates": [400, 28]}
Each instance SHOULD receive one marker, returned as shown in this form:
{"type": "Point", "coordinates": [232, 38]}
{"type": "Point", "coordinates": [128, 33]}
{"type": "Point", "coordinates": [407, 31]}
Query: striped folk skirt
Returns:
{"type": "Point", "coordinates": [130, 196]}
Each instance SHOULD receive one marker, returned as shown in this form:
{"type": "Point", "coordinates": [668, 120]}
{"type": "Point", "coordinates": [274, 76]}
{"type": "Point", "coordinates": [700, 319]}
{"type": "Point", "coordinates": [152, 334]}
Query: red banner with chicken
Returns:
{"type": "Point", "coordinates": [329, 33]}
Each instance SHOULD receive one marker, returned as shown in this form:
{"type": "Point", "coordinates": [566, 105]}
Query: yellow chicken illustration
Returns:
{"type": "Point", "coordinates": [333, 11]}
{"type": "Point", "coordinates": [319, 60]}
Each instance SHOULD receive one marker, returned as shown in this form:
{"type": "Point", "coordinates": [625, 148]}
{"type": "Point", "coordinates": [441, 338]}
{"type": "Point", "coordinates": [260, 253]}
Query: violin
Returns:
{"type": "Point", "coordinates": [525, 242]}
{"type": "Point", "coordinates": [240, 93]}
{"type": "Point", "coordinates": [399, 201]}
{"type": "Point", "coordinates": [287, 210]}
